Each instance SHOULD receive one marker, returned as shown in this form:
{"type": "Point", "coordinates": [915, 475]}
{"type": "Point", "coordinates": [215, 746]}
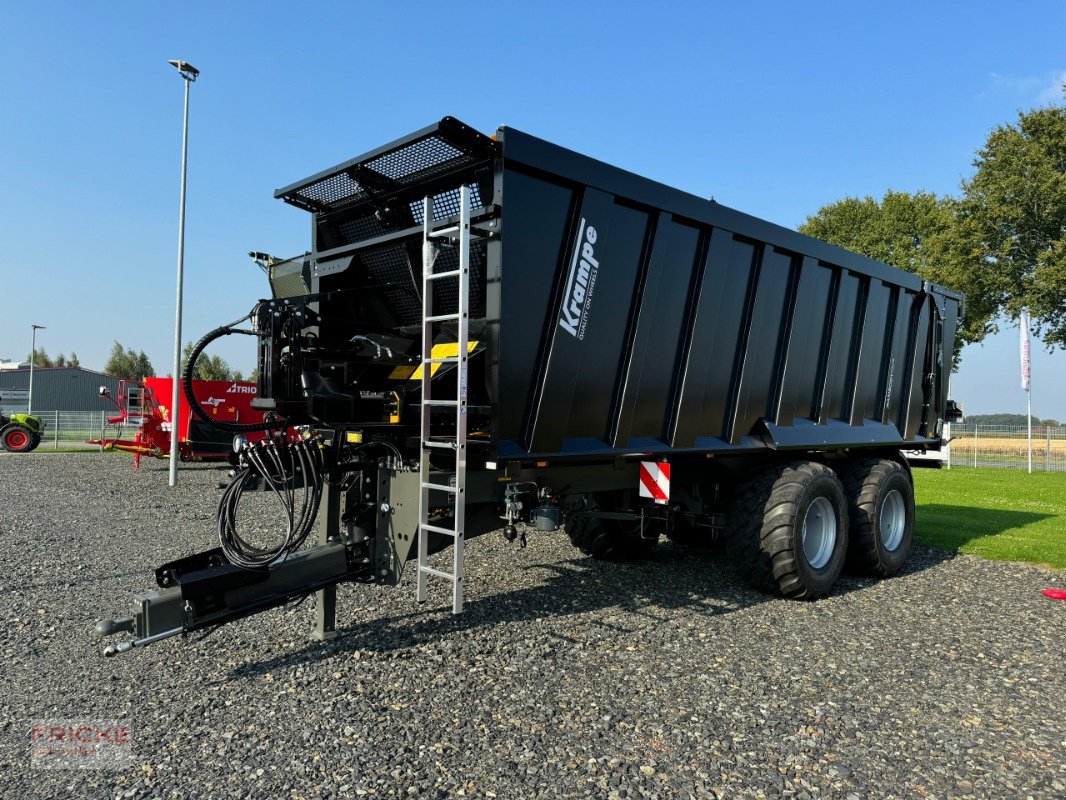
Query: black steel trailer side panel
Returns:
{"type": "Point", "coordinates": [679, 324]}
{"type": "Point", "coordinates": [621, 316]}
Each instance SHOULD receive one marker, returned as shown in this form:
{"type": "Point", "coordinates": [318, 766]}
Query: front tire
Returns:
{"type": "Point", "coordinates": [787, 530]}
{"type": "Point", "coordinates": [881, 508]}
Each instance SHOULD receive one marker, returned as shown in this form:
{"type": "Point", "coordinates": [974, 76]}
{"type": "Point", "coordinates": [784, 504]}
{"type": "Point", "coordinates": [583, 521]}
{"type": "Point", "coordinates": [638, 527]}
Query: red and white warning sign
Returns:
{"type": "Point", "coordinates": [655, 480]}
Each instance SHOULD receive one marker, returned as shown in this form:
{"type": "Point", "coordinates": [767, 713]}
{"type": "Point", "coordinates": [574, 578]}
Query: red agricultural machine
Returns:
{"type": "Point", "coordinates": [144, 407]}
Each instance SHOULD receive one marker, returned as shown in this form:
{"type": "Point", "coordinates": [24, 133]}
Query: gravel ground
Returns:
{"type": "Point", "coordinates": [564, 678]}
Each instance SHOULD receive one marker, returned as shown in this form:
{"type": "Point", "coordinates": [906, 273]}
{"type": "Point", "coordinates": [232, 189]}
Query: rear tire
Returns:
{"type": "Point", "coordinates": [17, 439]}
{"type": "Point", "coordinates": [787, 530]}
{"type": "Point", "coordinates": [881, 507]}
{"type": "Point", "coordinates": [609, 539]}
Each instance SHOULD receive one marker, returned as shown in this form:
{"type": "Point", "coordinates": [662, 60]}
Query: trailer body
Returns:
{"type": "Point", "coordinates": [624, 361]}
{"type": "Point", "coordinates": [685, 325]}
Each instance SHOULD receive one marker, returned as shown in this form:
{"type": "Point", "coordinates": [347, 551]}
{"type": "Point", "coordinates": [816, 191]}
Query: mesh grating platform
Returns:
{"type": "Point", "coordinates": [441, 148]}
{"type": "Point", "coordinates": [446, 204]}
{"type": "Point", "coordinates": [414, 159]}
{"type": "Point", "coordinates": [358, 229]}
{"type": "Point", "coordinates": [390, 268]}
{"type": "Point", "coordinates": [446, 292]}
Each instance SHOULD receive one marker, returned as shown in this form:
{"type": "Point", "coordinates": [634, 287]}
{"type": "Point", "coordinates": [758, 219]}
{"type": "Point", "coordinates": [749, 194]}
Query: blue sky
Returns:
{"type": "Point", "coordinates": [772, 108]}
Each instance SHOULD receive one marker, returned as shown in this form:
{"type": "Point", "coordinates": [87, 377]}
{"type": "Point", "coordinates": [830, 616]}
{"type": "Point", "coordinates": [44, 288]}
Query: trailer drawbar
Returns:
{"type": "Point", "coordinates": [498, 333]}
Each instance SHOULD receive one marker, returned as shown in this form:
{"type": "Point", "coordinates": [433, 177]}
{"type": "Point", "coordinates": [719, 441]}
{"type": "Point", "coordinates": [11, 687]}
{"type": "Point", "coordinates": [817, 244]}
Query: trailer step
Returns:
{"type": "Point", "coordinates": [448, 576]}
{"type": "Point", "coordinates": [436, 276]}
{"type": "Point", "coordinates": [443, 318]}
{"type": "Point", "coordinates": [440, 402]}
{"type": "Point", "coordinates": [443, 487]}
{"type": "Point", "coordinates": [440, 445]}
{"type": "Point", "coordinates": [441, 360]}
{"type": "Point", "coordinates": [439, 529]}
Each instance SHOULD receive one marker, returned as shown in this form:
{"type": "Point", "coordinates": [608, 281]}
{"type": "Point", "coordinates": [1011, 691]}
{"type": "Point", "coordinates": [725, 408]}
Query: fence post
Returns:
{"type": "Point", "coordinates": [1047, 449]}
{"type": "Point", "coordinates": [975, 445]}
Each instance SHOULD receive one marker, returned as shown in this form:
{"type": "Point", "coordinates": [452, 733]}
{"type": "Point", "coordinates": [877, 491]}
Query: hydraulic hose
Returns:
{"type": "Point", "coordinates": [187, 378]}
{"type": "Point", "coordinates": [294, 473]}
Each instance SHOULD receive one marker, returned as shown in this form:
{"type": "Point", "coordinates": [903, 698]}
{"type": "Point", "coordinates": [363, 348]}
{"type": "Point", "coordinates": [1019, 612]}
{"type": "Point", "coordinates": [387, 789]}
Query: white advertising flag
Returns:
{"type": "Point", "coordinates": [1023, 330]}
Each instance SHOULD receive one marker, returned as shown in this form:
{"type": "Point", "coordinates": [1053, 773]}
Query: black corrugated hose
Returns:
{"type": "Point", "coordinates": [187, 378]}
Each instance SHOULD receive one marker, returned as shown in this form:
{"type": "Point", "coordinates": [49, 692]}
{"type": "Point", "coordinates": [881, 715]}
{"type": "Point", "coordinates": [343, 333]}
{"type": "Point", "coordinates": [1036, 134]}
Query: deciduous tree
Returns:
{"type": "Point", "coordinates": [1003, 243]}
{"type": "Point", "coordinates": [1014, 213]}
{"type": "Point", "coordinates": [125, 362]}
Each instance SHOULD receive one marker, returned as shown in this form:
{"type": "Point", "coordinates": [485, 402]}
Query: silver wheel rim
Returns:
{"type": "Point", "coordinates": [819, 532]}
{"type": "Point", "coordinates": [893, 520]}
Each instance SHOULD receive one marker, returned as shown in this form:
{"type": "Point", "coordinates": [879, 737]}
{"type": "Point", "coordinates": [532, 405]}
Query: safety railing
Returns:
{"type": "Point", "coordinates": [1008, 446]}
{"type": "Point", "coordinates": [68, 430]}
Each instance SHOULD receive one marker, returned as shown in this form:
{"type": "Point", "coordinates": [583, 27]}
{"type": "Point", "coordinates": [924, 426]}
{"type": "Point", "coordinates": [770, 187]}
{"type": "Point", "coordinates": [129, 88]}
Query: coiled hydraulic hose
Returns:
{"type": "Point", "coordinates": [187, 378]}
{"type": "Point", "coordinates": [294, 472]}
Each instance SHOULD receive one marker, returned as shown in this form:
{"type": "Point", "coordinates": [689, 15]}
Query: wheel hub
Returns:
{"type": "Point", "coordinates": [893, 520]}
{"type": "Point", "coordinates": [819, 532]}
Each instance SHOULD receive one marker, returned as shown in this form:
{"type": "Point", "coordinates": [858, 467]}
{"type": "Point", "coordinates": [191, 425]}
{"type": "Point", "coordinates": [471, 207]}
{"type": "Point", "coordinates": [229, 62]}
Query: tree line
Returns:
{"type": "Point", "coordinates": [39, 358]}
{"type": "Point", "coordinates": [1001, 241]}
{"type": "Point", "coordinates": [1016, 420]}
{"type": "Point", "coordinates": [132, 365]}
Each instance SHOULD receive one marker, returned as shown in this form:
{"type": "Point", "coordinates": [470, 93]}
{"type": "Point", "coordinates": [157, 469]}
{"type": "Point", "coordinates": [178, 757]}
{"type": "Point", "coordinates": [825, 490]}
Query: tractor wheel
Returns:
{"type": "Point", "coordinates": [609, 539]}
{"type": "Point", "coordinates": [788, 530]}
{"type": "Point", "coordinates": [881, 504]}
{"type": "Point", "coordinates": [36, 442]}
{"type": "Point", "coordinates": [17, 439]}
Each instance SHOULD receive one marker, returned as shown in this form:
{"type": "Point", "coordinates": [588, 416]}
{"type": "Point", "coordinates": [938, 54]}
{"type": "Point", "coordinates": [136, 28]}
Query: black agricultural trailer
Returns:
{"type": "Point", "coordinates": [497, 332]}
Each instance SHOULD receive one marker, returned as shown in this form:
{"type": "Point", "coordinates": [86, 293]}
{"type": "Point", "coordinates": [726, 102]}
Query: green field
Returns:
{"type": "Point", "coordinates": [1003, 514]}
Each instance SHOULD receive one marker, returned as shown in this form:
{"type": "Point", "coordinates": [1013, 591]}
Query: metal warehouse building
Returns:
{"type": "Point", "coordinates": [56, 389]}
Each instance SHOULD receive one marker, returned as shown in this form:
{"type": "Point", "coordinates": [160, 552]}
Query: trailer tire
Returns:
{"type": "Point", "coordinates": [767, 533]}
{"type": "Point", "coordinates": [17, 439]}
{"type": "Point", "coordinates": [881, 506]}
{"type": "Point", "coordinates": [607, 539]}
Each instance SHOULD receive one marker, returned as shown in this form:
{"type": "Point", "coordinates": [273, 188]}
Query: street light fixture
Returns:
{"type": "Point", "coordinates": [33, 357]}
{"type": "Point", "coordinates": [189, 73]}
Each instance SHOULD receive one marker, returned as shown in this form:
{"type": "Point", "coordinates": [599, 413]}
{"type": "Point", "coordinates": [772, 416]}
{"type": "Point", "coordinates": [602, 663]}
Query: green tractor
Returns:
{"type": "Point", "coordinates": [20, 433]}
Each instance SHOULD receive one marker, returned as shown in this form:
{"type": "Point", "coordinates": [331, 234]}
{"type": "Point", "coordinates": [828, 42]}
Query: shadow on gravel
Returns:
{"type": "Point", "coordinates": [647, 594]}
{"type": "Point", "coordinates": [952, 527]}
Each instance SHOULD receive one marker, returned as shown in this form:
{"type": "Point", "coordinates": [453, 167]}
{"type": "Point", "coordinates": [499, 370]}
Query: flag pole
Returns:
{"type": "Point", "coordinates": [1027, 383]}
{"type": "Point", "coordinates": [1029, 416]}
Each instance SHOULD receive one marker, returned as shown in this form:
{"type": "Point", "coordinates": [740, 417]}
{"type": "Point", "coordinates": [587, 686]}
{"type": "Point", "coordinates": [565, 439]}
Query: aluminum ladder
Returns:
{"type": "Point", "coordinates": [456, 482]}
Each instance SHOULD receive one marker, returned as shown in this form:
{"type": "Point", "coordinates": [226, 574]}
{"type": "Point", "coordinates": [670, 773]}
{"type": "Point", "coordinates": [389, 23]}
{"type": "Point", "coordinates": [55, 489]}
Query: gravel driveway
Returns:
{"type": "Point", "coordinates": [564, 678]}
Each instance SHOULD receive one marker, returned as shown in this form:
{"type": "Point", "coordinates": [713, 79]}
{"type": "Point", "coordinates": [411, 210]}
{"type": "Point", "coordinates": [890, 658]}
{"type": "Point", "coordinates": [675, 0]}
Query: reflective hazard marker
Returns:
{"type": "Point", "coordinates": [655, 481]}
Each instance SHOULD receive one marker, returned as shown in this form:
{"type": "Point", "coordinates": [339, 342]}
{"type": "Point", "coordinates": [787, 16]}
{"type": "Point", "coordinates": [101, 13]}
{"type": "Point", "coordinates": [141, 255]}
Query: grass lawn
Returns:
{"type": "Point", "coordinates": [1004, 514]}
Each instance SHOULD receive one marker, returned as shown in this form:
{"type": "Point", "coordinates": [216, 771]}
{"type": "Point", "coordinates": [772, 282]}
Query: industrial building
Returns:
{"type": "Point", "coordinates": [56, 389]}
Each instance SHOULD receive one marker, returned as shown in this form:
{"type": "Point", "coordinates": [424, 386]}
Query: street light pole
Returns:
{"type": "Point", "coordinates": [188, 73]}
{"type": "Point", "coordinates": [33, 357]}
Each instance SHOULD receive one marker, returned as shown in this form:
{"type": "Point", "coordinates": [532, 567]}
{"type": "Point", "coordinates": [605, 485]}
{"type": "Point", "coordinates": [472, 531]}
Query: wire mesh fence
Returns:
{"type": "Point", "coordinates": [1007, 446]}
{"type": "Point", "coordinates": [972, 445]}
{"type": "Point", "coordinates": [69, 430]}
